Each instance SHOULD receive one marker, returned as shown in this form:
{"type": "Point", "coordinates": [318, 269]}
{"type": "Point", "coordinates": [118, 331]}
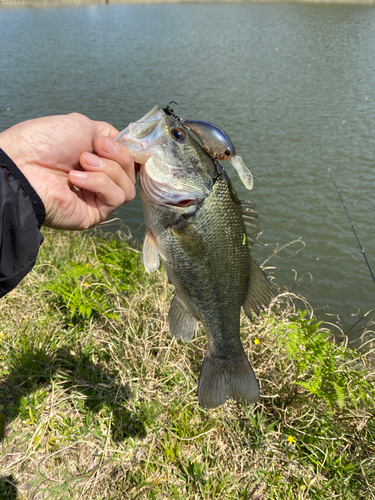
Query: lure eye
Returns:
{"type": "Point", "coordinates": [227, 152]}
{"type": "Point", "coordinates": [179, 134]}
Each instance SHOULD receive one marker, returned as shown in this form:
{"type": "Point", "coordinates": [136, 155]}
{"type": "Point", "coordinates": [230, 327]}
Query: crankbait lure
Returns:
{"type": "Point", "coordinates": [217, 143]}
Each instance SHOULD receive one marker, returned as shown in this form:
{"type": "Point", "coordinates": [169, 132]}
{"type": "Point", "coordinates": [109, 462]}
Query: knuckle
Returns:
{"type": "Point", "coordinates": [129, 193]}
{"type": "Point", "coordinates": [78, 117]}
{"type": "Point", "coordinates": [101, 182]}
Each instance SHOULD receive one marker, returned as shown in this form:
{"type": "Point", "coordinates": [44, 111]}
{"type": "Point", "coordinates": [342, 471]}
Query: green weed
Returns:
{"type": "Point", "coordinates": [90, 286]}
{"type": "Point", "coordinates": [322, 366]}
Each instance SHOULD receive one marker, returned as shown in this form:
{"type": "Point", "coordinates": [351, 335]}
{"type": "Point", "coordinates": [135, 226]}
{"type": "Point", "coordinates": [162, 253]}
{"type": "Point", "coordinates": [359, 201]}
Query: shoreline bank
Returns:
{"type": "Point", "coordinates": [61, 3]}
{"type": "Point", "coordinates": [90, 378]}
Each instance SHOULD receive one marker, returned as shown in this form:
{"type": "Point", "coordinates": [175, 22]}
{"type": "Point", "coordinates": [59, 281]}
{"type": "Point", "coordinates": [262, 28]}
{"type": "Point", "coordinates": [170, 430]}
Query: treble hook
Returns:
{"type": "Point", "coordinates": [167, 110]}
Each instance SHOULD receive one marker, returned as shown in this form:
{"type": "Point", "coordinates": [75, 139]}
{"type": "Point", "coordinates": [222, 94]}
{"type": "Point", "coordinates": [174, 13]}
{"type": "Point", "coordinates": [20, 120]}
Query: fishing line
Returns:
{"type": "Point", "coordinates": [352, 225]}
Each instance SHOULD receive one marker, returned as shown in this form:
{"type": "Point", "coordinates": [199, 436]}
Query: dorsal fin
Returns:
{"type": "Point", "coordinates": [250, 218]}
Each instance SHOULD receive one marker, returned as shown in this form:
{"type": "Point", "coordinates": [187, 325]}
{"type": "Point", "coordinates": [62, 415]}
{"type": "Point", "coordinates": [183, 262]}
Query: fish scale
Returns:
{"type": "Point", "coordinates": [224, 266]}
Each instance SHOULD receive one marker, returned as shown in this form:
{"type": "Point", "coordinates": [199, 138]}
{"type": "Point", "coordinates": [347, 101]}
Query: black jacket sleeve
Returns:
{"type": "Point", "coordinates": [21, 215]}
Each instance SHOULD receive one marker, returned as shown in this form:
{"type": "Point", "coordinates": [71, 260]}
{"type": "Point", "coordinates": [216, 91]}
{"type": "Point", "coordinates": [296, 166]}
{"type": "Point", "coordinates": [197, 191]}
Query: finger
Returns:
{"type": "Point", "coordinates": [108, 148]}
{"type": "Point", "coordinates": [93, 163]}
{"type": "Point", "coordinates": [104, 129]}
{"type": "Point", "coordinates": [103, 187]}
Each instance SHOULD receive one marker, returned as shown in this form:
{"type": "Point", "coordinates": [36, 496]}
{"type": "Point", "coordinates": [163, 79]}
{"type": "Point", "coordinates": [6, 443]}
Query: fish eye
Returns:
{"type": "Point", "coordinates": [179, 134]}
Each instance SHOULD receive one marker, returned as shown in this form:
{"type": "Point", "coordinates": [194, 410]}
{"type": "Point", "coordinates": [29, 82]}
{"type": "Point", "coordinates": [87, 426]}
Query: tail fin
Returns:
{"type": "Point", "coordinates": [220, 380]}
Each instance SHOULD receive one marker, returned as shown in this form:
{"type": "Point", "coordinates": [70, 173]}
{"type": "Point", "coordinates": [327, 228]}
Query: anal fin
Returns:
{"type": "Point", "coordinates": [220, 380]}
{"type": "Point", "coordinates": [259, 294]}
{"type": "Point", "coordinates": [181, 322]}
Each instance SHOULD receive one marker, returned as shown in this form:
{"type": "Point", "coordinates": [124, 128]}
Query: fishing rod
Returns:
{"type": "Point", "coordinates": [352, 225]}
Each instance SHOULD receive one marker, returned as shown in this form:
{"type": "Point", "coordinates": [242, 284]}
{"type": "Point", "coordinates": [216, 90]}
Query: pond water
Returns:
{"type": "Point", "coordinates": [292, 84]}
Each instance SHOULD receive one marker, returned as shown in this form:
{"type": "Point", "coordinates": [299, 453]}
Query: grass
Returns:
{"type": "Point", "coordinates": [98, 402]}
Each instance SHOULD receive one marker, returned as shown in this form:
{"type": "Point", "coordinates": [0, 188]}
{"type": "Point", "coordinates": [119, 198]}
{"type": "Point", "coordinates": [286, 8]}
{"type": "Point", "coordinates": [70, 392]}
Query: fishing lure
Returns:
{"type": "Point", "coordinates": [217, 143]}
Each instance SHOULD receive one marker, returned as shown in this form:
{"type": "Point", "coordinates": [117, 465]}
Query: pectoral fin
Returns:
{"type": "Point", "coordinates": [181, 322]}
{"type": "Point", "coordinates": [259, 294]}
{"type": "Point", "coordinates": [188, 239]}
{"type": "Point", "coordinates": [150, 254]}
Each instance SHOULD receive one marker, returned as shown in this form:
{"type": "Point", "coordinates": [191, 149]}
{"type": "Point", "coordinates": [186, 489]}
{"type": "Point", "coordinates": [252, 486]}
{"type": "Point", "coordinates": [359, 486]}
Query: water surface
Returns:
{"type": "Point", "coordinates": [292, 84]}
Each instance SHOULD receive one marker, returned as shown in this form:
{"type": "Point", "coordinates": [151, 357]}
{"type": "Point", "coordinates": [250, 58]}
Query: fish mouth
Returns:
{"type": "Point", "coordinates": [139, 135]}
{"type": "Point", "coordinates": [184, 203]}
{"type": "Point", "coordinates": [164, 194]}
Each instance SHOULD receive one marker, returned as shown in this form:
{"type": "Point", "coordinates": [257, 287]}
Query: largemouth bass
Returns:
{"type": "Point", "coordinates": [203, 234]}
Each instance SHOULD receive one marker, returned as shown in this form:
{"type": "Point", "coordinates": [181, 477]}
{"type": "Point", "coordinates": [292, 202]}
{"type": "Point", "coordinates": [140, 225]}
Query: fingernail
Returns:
{"type": "Point", "coordinates": [93, 160]}
{"type": "Point", "coordinates": [109, 146]}
{"type": "Point", "coordinates": [78, 174]}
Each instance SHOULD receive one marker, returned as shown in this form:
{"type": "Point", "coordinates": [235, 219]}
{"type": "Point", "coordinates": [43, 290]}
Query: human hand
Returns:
{"type": "Point", "coordinates": [78, 188]}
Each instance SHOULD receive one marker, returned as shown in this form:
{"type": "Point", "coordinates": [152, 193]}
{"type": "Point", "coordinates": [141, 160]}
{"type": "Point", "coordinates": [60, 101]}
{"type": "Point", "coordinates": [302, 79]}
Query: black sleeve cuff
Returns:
{"type": "Point", "coordinates": [37, 203]}
{"type": "Point", "coordinates": [22, 213]}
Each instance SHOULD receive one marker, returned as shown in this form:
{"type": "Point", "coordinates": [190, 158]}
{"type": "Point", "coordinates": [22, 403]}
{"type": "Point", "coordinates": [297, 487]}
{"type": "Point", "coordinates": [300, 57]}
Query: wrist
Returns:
{"type": "Point", "coordinates": [9, 143]}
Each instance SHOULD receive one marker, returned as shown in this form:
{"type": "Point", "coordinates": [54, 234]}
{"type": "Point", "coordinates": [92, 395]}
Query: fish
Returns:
{"type": "Point", "coordinates": [203, 234]}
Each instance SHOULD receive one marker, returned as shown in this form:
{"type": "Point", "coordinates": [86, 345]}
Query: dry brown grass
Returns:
{"type": "Point", "coordinates": [106, 408]}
